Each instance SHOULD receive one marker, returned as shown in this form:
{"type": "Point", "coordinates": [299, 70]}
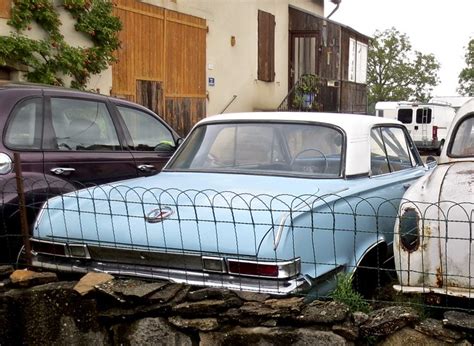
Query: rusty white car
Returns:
{"type": "Point", "coordinates": [433, 247]}
{"type": "Point", "coordinates": [269, 202]}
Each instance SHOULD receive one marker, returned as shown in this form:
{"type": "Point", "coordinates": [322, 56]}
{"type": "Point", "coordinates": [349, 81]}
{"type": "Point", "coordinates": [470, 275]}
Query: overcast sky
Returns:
{"type": "Point", "coordinates": [440, 27]}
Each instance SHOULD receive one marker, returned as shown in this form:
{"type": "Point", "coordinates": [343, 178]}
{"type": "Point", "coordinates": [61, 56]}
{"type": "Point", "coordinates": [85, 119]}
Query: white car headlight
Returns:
{"type": "Point", "coordinates": [6, 164]}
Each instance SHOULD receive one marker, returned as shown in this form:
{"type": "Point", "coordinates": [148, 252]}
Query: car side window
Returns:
{"type": "Point", "coordinates": [390, 151]}
{"type": "Point", "coordinates": [83, 125]}
{"type": "Point", "coordinates": [378, 157]}
{"type": "Point", "coordinates": [25, 125]}
{"type": "Point", "coordinates": [396, 146]}
{"type": "Point", "coordinates": [147, 132]}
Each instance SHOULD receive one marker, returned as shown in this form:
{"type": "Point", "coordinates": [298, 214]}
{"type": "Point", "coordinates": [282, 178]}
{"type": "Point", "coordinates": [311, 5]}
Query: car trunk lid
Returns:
{"type": "Point", "coordinates": [200, 216]}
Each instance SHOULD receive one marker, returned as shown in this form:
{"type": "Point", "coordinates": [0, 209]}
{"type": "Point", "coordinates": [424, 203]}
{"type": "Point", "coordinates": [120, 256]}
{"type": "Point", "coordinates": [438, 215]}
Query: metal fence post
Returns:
{"type": "Point", "coordinates": [25, 232]}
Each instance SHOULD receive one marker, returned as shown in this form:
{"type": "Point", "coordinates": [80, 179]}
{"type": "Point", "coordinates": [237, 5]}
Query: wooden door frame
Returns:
{"type": "Point", "coordinates": [298, 33]}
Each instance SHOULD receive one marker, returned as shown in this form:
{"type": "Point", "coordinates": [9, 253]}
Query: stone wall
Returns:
{"type": "Point", "coordinates": [36, 308]}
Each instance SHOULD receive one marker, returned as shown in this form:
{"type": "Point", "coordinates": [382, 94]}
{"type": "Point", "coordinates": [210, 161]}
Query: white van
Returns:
{"type": "Point", "coordinates": [427, 123]}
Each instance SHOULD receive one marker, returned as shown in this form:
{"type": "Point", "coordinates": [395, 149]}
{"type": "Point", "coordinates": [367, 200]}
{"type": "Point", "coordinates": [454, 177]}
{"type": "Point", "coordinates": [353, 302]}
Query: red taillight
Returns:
{"type": "Point", "coordinates": [435, 132]}
{"type": "Point", "coordinates": [246, 268]}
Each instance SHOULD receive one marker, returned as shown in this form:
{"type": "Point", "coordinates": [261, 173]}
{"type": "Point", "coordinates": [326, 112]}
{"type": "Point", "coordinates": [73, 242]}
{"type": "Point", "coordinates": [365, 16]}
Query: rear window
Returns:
{"type": "Point", "coordinates": [276, 148]}
{"type": "Point", "coordinates": [405, 115]}
{"type": "Point", "coordinates": [25, 125]}
{"type": "Point", "coordinates": [423, 116]}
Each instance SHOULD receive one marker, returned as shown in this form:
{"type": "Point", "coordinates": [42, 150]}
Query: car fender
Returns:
{"type": "Point", "coordinates": [321, 236]}
{"type": "Point", "coordinates": [37, 188]}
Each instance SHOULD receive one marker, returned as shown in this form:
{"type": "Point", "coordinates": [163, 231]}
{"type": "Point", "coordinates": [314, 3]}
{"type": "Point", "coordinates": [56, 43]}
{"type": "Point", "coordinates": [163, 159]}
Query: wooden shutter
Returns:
{"type": "Point", "coordinates": [266, 46]}
{"type": "Point", "coordinates": [5, 6]}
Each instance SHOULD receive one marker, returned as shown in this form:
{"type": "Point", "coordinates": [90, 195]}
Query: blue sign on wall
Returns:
{"type": "Point", "coordinates": [211, 81]}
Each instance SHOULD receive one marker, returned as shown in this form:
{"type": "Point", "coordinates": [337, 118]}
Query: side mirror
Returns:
{"type": "Point", "coordinates": [431, 162]}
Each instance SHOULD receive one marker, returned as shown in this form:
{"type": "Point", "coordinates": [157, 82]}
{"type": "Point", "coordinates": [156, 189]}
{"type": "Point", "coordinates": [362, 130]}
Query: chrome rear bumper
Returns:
{"type": "Point", "coordinates": [299, 283]}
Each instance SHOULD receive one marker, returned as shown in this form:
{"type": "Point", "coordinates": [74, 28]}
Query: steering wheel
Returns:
{"type": "Point", "coordinates": [311, 165]}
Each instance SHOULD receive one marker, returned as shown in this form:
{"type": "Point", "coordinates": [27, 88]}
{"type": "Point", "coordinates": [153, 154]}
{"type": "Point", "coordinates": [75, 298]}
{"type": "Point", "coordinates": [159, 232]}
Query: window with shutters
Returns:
{"type": "Point", "coordinates": [266, 46]}
{"type": "Point", "coordinates": [357, 61]}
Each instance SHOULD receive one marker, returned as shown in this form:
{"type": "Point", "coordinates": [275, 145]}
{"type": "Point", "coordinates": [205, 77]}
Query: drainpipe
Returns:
{"type": "Point", "coordinates": [337, 2]}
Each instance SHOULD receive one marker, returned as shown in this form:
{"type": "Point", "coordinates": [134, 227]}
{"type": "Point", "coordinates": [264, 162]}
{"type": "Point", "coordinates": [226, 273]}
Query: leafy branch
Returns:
{"type": "Point", "coordinates": [48, 58]}
{"type": "Point", "coordinates": [397, 72]}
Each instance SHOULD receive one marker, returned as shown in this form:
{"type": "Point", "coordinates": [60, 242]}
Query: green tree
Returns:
{"type": "Point", "coordinates": [397, 72]}
{"type": "Point", "coordinates": [466, 77]}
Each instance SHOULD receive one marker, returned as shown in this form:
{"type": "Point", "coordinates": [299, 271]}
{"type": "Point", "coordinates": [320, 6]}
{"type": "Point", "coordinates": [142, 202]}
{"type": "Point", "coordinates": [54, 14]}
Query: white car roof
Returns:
{"type": "Point", "coordinates": [465, 110]}
{"type": "Point", "coordinates": [356, 126]}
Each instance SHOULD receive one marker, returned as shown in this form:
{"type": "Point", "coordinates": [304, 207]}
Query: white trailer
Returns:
{"type": "Point", "coordinates": [427, 123]}
{"type": "Point", "coordinates": [454, 101]}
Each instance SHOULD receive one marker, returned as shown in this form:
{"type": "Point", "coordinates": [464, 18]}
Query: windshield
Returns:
{"type": "Point", "coordinates": [463, 143]}
{"type": "Point", "coordinates": [273, 148]}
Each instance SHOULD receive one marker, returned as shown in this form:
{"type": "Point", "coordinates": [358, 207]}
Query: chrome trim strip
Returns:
{"type": "Point", "coordinates": [66, 250]}
{"type": "Point", "coordinates": [272, 286]}
{"type": "Point", "coordinates": [86, 251]}
{"type": "Point", "coordinates": [40, 215]}
{"type": "Point", "coordinates": [217, 259]}
{"type": "Point", "coordinates": [189, 261]}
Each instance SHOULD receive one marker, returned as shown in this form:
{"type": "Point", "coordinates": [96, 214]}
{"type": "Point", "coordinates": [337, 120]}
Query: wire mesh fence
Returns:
{"type": "Point", "coordinates": [284, 244]}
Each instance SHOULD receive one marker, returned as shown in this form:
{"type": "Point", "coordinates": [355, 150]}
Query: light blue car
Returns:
{"type": "Point", "coordinates": [269, 202]}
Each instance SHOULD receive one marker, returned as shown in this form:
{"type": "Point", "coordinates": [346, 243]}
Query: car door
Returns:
{"type": "Point", "coordinates": [151, 141]}
{"type": "Point", "coordinates": [86, 146]}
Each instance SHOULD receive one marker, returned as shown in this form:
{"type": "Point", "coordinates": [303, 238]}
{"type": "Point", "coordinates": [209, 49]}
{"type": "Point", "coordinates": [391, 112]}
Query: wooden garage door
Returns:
{"type": "Point", "coordinates": [162, 62]}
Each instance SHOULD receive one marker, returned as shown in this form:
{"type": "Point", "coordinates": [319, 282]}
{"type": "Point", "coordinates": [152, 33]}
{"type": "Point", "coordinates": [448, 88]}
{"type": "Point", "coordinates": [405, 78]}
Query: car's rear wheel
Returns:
{"type": "Point", "coordinates": [374, 272]}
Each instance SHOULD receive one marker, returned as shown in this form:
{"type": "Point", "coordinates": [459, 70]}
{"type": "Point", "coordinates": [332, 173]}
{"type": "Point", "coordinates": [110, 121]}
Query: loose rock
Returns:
{"type": "Point", "coordinates": [50, 314]}
{"type": "Point", "coordinates": [359, 318]}
{"type": "Point", "coordinates": [149, 331]}
{"type": "Point", "coordinates": [201, 324]}
{"type": "Point", "coordinates": [88, 282]}
{"type": "Point", "coordinates": [286, 306]}
{"type": "Point", "coordinates": [124, 290]}
{"type": "Point", "coordinates": [271, 336]}
{"type": "Point", "coordinates": [167, 293]}
{"type": "Point", "coordinates": [252, 296]}
{"type": "Point", "coordinates": [459, 320]}
{"type": "Point", "coordinates": [346, 330]}
{"type": "Point", "coordinates": [28, 278]}
{"type": "Point", "coordinates": [210, 293]}
{"type": "Point", "coordinates": [205, 307]}
{"type": "Point", "coordinates": [323, 312]}
{"type": "Point", "coordinates": [408, 336]}
{"type": "Point", "coordinates": [435, 328]}
{"type": "Point", "coordinates": [387, 320]}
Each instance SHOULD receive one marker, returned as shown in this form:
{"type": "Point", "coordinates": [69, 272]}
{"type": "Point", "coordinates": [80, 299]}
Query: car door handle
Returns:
{"type": "Point", "coordinates": [146, 168]}
{"type": "Point", "coordinates": [62, 170]}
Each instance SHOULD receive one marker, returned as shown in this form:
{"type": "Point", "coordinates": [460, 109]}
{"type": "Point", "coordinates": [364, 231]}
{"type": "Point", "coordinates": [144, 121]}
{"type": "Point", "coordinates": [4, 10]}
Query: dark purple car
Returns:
{"type": "Point", "coordinates": [68, 139]}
